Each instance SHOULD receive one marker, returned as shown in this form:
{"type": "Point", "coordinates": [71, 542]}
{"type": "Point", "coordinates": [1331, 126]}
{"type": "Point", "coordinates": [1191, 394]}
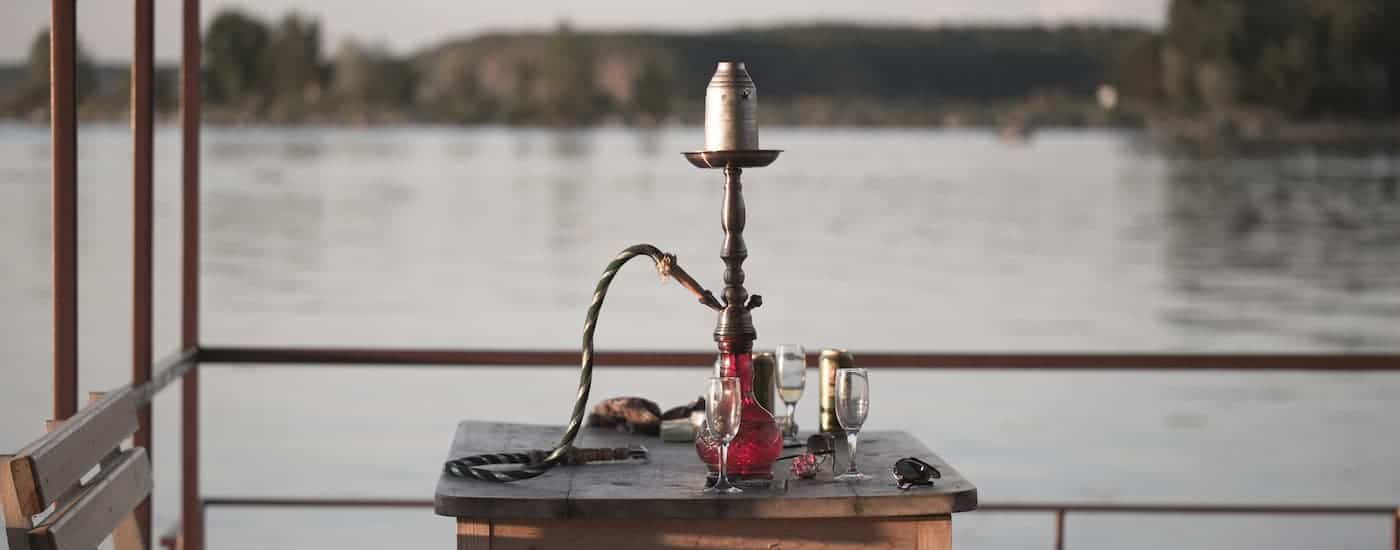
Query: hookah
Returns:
{"type": "Point", "coordinates": [731, 143]}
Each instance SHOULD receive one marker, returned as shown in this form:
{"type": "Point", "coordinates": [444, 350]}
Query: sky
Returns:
{"type": "Point", "coordinates": [104, 26]}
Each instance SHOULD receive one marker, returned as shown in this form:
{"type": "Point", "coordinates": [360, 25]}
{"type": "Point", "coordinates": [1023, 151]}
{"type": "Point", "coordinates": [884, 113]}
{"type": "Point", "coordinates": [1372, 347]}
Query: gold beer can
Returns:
{"type": "Point", "coordinates": [827, 363]}
{"type": "Point", "coordinates": [765, 379]}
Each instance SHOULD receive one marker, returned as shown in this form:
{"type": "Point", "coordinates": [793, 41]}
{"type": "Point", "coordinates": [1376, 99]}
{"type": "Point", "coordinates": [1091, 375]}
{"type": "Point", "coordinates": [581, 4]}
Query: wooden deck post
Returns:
{"type": "Point", "coordinates": [1395, 529]}
{"type": "Point", "coordinates": [1059, 529]}
{"type": "Point", "coordinates": [63, 113]}
{"type": "Point", "coordinates": [143, 142]}
{"type": "Point", "coordinates": [191, 508]}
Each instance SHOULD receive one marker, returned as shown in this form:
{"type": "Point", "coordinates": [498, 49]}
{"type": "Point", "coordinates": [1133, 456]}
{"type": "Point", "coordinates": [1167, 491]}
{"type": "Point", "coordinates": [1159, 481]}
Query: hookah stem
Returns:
{"type": "Point", "coordinates": [470, 467]}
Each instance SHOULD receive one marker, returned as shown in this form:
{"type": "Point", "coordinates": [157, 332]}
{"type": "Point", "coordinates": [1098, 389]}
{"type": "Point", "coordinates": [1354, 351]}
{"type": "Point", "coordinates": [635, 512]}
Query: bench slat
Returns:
{"type": "Point", "coordinates": [103, 504]}
{"type": "Point", "coordinates": [51, 464]}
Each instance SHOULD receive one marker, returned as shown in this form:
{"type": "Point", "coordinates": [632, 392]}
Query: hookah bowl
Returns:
{"type": "Point", "coordinates": [731, 143]}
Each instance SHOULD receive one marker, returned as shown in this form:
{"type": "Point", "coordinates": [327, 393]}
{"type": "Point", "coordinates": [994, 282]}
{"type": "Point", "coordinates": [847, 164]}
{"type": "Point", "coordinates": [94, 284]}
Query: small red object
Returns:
{"type": "Point", "coordinates": [805, 466]}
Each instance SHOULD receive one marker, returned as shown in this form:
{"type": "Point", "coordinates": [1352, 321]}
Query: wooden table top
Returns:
{"type": "Point", "coordinates": [669, 486]}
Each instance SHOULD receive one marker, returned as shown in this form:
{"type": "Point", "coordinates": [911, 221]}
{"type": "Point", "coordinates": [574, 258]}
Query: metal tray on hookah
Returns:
{"type": "Point", "coordinates": [750, 158]}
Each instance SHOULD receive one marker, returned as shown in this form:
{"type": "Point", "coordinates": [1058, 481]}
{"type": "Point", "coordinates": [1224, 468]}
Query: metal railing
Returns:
{"type": "Point", "coordinates": [182, 365]}
{"type": "Point", "coordinates": [258, 357]}
{"type": "Point", "coordinates": [1058, 509]}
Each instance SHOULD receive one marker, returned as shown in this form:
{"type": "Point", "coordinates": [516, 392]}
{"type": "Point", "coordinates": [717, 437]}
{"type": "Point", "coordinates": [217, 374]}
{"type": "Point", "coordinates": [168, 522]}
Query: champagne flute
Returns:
{"type": "Point", "coordinates": [722, 406]}
{"type": "Point", "coordinates": [792, 380]}
{"type": "Point", "coordinates": [852, 405]}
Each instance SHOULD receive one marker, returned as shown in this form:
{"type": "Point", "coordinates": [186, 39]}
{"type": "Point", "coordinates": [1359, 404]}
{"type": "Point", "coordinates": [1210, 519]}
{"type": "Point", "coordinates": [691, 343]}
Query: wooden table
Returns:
{"type": "Point", "coordinates": [659, 504]}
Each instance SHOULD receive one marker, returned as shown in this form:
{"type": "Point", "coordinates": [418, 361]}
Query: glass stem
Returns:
{"type": "Point", "coordinates": [792, 411]}
{"type": "Point", "coordinates": [851, 443]}
{"type": "Point", "coordinates": [723, 458]}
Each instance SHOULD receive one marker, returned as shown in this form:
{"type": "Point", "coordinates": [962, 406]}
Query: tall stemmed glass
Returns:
{"type": "Point", "coordinates": [852, 404]}
{"type": "Point", "coordinates": [792, 380]}
{"type": "Point", "coordinates": [722, 406]}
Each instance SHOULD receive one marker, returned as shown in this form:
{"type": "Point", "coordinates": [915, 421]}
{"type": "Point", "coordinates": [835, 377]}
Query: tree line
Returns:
{"type": "Point", "coordinates": [1303, 59]}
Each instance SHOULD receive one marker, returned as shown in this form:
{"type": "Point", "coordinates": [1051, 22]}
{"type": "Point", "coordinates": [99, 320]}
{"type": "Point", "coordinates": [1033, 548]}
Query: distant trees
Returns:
{"type": "Point", "coordinates": [234, 49]}
{"type": "Point", "coordinates": [292, 60]}
{"type": "Point", "coordinates": [652, 92]}
{"type": "Point", "coordinates": [36, 71]}
{"type": "Point", "coordinates": [101, 91]}
{"type": "Point", "coordinates": [1299, 57]}
{"type": "Point", "coordinates": [1138, 69]}
{"type": "Point", "coordinates": [448, 86]}
{"type": "Point", "coordinates": [281, 71]}
{"type": "Point", "coordinates": [36, 66]}
{"type": "Point", "coordinates": [566, 92]}
{"type": "Point", "coordinates": [249, 63]}
{"type": "Point", "coordinates": [368, 76]}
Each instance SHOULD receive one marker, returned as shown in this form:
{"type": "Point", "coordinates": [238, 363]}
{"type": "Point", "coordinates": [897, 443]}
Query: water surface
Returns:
{"type": "Point", "coordinates": [887, 240]}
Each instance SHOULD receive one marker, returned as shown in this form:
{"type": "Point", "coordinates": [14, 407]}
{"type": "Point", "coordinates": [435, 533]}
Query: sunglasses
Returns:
{"type": "Point", "coordinates": [912, 472]}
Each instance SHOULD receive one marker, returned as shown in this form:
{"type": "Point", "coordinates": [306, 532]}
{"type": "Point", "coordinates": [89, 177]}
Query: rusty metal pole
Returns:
{"type": "Point", "coordinates": [63, 111]}
{"type": "Point", "coordinates": [1395, 529]}
{"type": "Point", "coordinates": [1060, 529]}
{"type": "Point", "coordinates": [143, 143]}
{"type": "Point", "coordinates": [191, 509]}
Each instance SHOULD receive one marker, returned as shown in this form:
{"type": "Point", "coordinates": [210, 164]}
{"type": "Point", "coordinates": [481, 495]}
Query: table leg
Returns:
{"type": "Point", "coordinates": [934, 534]}
{"type": "Point", "coordinates": [473, 534]}
{"type": "Point", "coordinates": [919, 533]}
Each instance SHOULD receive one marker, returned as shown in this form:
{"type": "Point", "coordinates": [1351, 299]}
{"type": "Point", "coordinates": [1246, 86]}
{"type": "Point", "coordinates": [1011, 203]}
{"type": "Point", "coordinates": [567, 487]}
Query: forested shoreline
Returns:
{"type": "Point", "coordinates": [1243, 64]}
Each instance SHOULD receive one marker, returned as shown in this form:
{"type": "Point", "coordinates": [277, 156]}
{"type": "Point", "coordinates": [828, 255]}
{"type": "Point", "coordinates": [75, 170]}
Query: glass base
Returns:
{"type": "Point", "coordinates": [852, 476]}
{"type": "Point", "coordinates": [757, 480]}
{"type": "Point", "coordinates": [724, 490]}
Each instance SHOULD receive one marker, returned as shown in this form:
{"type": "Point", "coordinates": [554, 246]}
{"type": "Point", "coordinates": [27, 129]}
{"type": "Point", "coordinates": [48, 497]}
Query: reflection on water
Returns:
{"type": "Point", "coordinates": [871, 240]}
{"type": "Point", "coordinates": [1257, 243]}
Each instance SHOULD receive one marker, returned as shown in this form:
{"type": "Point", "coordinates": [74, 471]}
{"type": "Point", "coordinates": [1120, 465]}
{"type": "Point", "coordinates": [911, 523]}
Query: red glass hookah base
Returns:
{"type": "Point", "coordinates": [759, 442]}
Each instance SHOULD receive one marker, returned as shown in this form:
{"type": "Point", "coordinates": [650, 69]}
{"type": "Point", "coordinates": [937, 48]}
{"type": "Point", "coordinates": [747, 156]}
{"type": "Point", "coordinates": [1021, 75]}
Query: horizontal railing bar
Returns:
{"type": "Point", "coordinates": [1280, 509]}
{"type": "Point", "coordinates": [1270, 509]}
{"type": "Point", "coordinates": [316, 502]}
{"type": "Point", "coordinates": [989, 361]}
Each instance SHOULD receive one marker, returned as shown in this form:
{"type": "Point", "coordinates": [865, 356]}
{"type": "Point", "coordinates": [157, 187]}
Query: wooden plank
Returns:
{"type": "Point", "coordinates": [544, 496]}
{"type": "Point", "coordinates": [933, 534]}
{"type": "Point", "coordinates": [473, 535]}
{"type": "Point", "coordinates": [63, 128]}
{"type": "Point", "coordinates": [127, 535]}
{"type": "Point", "coordinates": [67, 495]}
{"type": "Point", "coordinates": [51, 464]}
{"type": "Point", "coordinates": [669, 487]}
{"type": "Point", "coordinates": [756, 534]}
{"type": "Point", "coordinates": [97, 512]}
{"type": "Point", "coordinates": [17, 523]}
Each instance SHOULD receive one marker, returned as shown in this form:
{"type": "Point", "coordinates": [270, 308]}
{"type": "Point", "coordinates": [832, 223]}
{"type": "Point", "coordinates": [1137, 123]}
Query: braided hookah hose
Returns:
{"type": "Point", "coordinates": [533, 464]}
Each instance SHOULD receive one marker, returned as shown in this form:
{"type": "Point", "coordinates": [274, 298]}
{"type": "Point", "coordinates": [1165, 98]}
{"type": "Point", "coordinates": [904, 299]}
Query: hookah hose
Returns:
{"type": "Point", "coordinates": [473, 467]}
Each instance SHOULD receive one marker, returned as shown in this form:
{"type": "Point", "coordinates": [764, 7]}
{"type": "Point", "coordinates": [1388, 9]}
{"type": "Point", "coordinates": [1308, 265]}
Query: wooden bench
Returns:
{"type": "Point", "coordinates": [51, 472]}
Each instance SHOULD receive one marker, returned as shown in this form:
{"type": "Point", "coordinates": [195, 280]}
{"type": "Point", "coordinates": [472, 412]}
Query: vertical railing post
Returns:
{"type": "Point", "coordinates": [142, 139]}
{"type": "Point", "coordinates": [1060, 529]}
{"type": "Point", "coordinates": [63, 113]}
{"type": "Point", "coordinates": [191, 508]}
{"type": "Point", "coordinates": [1395, 529]}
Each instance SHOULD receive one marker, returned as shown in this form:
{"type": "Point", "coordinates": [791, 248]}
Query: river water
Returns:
{"type": "Point", "coordinates": [888, 240]}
